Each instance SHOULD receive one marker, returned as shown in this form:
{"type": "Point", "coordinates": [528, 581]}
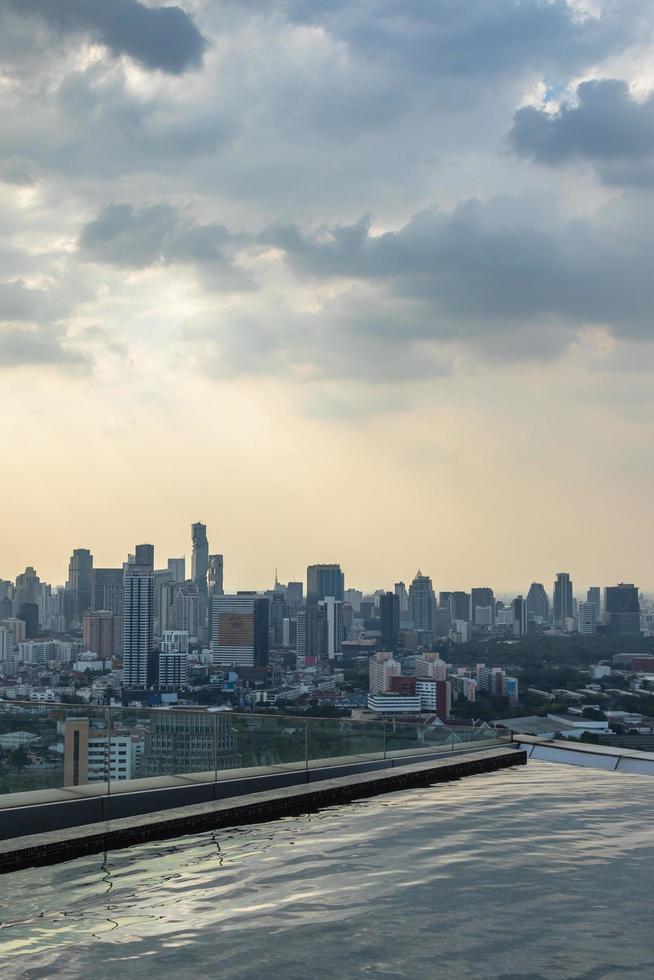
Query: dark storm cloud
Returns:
{"type": "Point", "coordinates": [606, 127]}
{"type": "Point", "coordinates": [155, 37]}
{"type": "Point", "coordinates": [124, 236]}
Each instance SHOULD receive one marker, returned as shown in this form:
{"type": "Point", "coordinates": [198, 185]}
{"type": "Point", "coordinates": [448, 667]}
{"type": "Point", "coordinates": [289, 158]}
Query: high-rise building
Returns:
{"type": "Point", "coordinates": [173, 659]}
{"type": "Point", "coordinates": [422, 603]}
{"type": "Point", "coordinates": [381, 667]}
{"type": "Point", "coordinates": [144, 555]}
{"type": "Point", "coordinates": [622, 610]}
{"type": "Point", "coordinates": [594, 595]}
{"type": "Point", "coordinates": [28, 587]}
{"type": "Point", "coordinates": [294, 596]}
{"type": "Point", "coordinates": [29, 613]}
{"type": "Point", "coordinates": [461, 604]}
{"type": "Point", "coordinates": [323, 581]}
{"type": "Point", "coordinates": [538, 603]}
{"type": "Point", "coordinates": [563, 600]}
{"type": "Point", "coordinates": [79, 585]}
{"type": "Point", "coordinates": [403, 596]}
{"type": "Point", "coordinates": [102, 633]}
{"type": "Point", "coordinates": [354, 597]}
{"type": "Point", "coordinates": [389, 608]}
{"type": "Point", "coordinates": [6, 643]}
{"type": "Point", "coordinates": [108, 590]}
{"type": "Point", "coordinates": [177, 569]}
{"type": "Point", "coordinates": [215, 575]}
{"type": "Point", "coordinates": [519, 610]}
{"type": "Point", "coordinates": [481, 598]}
{"type": "Point", "coordinates": [187, 609]}
{"type": "Point", "coordinates": [240, 630]}
{"type": "Point", "coordinates": [138, 612]}
{"type": "Point", "coordinates": [332, 611]}
{"type": "Point", "coordinates": [200, 557]}
{"type": "Point", "coordinates": [587, 618]}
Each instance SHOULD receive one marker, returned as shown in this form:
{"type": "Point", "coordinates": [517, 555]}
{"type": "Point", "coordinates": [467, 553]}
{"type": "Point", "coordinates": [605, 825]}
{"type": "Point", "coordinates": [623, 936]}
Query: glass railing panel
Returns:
{"type": "Point", "coordinates": [257, 742]}
{"type": "Point", "coordinates": [332, 739]}
{"type": "Point", "coordinates": [52, 747]}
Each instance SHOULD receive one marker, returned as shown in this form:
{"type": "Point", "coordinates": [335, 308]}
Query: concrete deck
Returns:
{"type": "Point", "coordinates": [62, 845]}
{"type": "Point", "coordinates": [612, 758]}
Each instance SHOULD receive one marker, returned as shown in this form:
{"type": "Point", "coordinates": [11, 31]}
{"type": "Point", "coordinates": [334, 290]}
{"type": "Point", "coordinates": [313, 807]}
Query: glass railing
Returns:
{"type": "Point", "coordinates": [50, 751]}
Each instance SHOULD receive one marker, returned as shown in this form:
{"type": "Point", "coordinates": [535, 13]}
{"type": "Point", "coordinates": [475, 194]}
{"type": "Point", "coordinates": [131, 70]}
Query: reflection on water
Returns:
{"type": "Point", "coordinates": [537, 872]}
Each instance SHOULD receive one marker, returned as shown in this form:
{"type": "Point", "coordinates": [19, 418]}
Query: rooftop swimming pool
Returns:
{"type": "Point", "coordinates": [542, 871]}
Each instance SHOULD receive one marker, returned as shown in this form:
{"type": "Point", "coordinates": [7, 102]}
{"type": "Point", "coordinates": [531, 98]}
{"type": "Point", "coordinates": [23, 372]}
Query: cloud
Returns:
{"type": "Point", "coordinates": [156, 37]}
{"type": "Point", "coordinates": [478, 38]}
{"type": "Point", "coordinates": [39, 347]}
{"type": "Point", "coordinates": [129, 237]}
{"type": "Point", "coordinates": [605, 127]}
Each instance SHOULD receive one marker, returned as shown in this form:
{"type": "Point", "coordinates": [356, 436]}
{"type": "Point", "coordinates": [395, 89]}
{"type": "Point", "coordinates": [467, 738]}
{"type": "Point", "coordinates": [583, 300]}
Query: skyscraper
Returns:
{"type": "Point", "coordinates": [422, 603]}
{"type": "Point", "coordinates": [144, 555]}
{"type": "Point", "coordinates": [622, 610]}
{"type": "Point", "coordinates": [325, 580]}
{"type": "Point", "coordinates": [389, 608]}
{"type": "Point", "coordinates": [240, 630]}
{"type": "Point", "coordinates": [563, 604]}
{"type": "Point", "coordinates": [538, 603]}
{"type": "Point", "coordinates": [215, 575]}
{"type": "Point", "coordinates": [519, 610]}
{"type": "Point", "coordinates": [177, 568]}
{"type": "Point", "coordinates": [79, 584]}
{"type": "Point", "coordinates": [587, 618]}
{"type": "Point", "coordinates": [593, 595]}
{"type": "Point", "coordinates": [481, 598]}
{"type": "Point", "coordinates": [108, 590]}
{"type": "Point", "coordinates": [200, 557]}
{"type": "Point", "coordinates": [102, 633]}
{"type": "Point", "coordinates": [138, 609]}
{"type": "Point", "coordinates": [403, 596]}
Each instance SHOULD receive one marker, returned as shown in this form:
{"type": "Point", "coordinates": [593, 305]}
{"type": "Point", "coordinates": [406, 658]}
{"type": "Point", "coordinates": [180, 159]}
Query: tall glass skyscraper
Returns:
{"type": "Point", "coordinates": [324, 581]}
{"type": "Point", "coordinates": [200, 558]}
{"type": "Point", "coordinates": [138, 611]}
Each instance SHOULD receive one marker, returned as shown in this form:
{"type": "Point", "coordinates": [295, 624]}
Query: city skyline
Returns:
{"type": "Point", "coordinates": [233, 585]}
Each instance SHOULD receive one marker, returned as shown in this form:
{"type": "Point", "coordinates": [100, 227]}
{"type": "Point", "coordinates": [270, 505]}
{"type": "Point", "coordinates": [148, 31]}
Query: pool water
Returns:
{"type": "Point", "coordinates": [542, 871]}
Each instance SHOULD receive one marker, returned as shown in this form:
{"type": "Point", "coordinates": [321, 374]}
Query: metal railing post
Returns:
{"type": "Point", "coordinates": [384, 727]}
{"type": "Point", "coordinates": [108, 750]}
{"type": "Point", "coordinates": [215, 748]}
{"type": "Point", "coordinates": [306, 744]}
{"type": "Point", "coordinates": [452, 740]}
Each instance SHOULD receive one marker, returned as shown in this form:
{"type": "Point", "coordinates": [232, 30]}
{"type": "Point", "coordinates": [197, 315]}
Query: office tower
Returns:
{"type": "Point", "coordinates": [200, 557]}
{"type": "Point", "coordinates": [215, 575]}
{"type": "Point", "coordinates": [162, 577]}
{"type": "Point", "coordinates": [381, 667]}
{"type": "Point", "coordinates": [173, 659]}
{"type": "Point", "coordinates": [294, 596]}
{"type": "Point", "coordinates": [563, 605]}
{"type": "Point", "coordinates": [480, 598]}
{"type": "Point", "coordinates": [29, 613]}
{"type": "Point", "coordinates": [102, 634]}
{"type": "Point", "coordinates": [190, 741]}
{"type": "Point", "coordinates": [188, 609]}
{"type": "Point", "coordinates": [240, 630]}
{"type": "Point", "coordinates": [144, 555]}
{"type": "Point", "coordinates": [301, 637]}
{"type": "Point", "coordinates": [538, 603]}
{"type": "Point", "coordinates": [403, 596]}
{"type": "Point", "coordinates": [108, 590]}
{"type": "Point", "coordinates": [587, 618]}
{"type": "Point", "coordinates": [332, 610]}
{"type": "Point", "coordinates": [442, 621]}
{"type": "Point", "coordinates": [79, 584]}
{"type": "Point", "coordinates": [593, 595]}
{"type": "Point", "coordinates": [138, 610]}
{"type": "Point", "coordinates": [422, 603]}
{"type": "Point", "coordinates": [167, 593]}
{"type": "Point", "coordinates": [28, 587]}
{"type": "Point", "coordinates": [6, 643]}
{"type": "Point", "coordinates": [461, 606]}
{"type": "Point", "coordinates": [519, 610]}
{"type": "Point", "coordinates": [389, 607]}
{"type": "Point", "coordinates": [177, 569]}
{"type": "Point", "coordinates": [446, 601]}
{"type": "Point", "coordinates": [277, 612]}
{"type": "Point", "coordinates": [323, 581]}
{"type": "Point", "coordinates": [353, 597]}
{"type": "Point", "coordinates": [622, 610]}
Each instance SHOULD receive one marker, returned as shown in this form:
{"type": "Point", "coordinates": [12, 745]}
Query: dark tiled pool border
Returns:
{"type": "Point", "coordinates": [63, 845]}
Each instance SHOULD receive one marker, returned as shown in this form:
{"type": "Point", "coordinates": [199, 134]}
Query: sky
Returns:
{"type": "Point", "coordinates": [368, 283]}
